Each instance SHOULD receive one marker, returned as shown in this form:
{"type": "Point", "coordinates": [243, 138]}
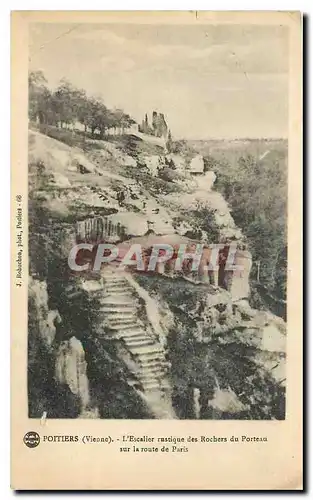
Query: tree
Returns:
{"type": "Point", "coordinates": [36, 78]}
{"type": "Point", "coordinates": [39, 97]}
{"type": "Point", "coordinates": [81, 107]}
{"type": "Point", "coordinates": [94, 115]}
{"type": "Point", "coordinates": [69, 104]}
{"type": "Point", "coordinates": [101, 118]}
{"type": "Point", "coordinates": [128, 121]}
{"type": "Point", "coordinates": [64, 103]}
{"type": "Point", "coordinates": [119, 119]}
{"type": "Point", "coordinates": [257, 194]}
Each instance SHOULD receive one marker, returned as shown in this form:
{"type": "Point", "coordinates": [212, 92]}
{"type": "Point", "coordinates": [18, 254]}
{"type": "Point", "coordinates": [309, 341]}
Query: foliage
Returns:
{"type": "Point", "coordinates": [183, 148]}
{"type": "Point", "coordinates": [68, 105]}
{"type": "Point", "coordinates": [168, 174]}
{"type": "Point", "coordinates": [202, 221]}
{"type": "Point", "coordinates": [256, 190]}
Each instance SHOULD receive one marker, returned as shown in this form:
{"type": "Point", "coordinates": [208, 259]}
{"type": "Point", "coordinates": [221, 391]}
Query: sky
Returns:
{"type": "Point", "coordinates": [210, 81]}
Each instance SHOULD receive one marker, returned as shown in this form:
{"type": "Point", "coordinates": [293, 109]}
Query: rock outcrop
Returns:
{"type": "Point", "coordinates": [45, 319]}
{"type": "Point", "coordinates": [228, 360]}
{"type": "Point", "coordinates": [71, 369]}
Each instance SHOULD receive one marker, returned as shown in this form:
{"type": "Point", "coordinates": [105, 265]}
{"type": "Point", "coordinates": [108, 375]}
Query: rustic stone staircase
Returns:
{"type": "Point", "coordinates": [121, 307]}
{"type": "Point", "coordinates": [119, 313]}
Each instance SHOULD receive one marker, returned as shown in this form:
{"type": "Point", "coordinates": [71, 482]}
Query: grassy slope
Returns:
{"type": "Point", "coordinates": [256, 196]}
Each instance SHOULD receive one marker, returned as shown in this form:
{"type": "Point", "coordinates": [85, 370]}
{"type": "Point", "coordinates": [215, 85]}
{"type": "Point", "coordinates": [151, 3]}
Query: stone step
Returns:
{"type": "Point", "coordinates": [150, 386]}
{"type": "Point", "coordinates": [143, 358]}
{"type": "Point", "coordinates": [120, 328]}
{"type": "Point", "coordinates": [118, 300]}
{"type": "Point", "coordinates": [136, 337]}
{"type": "Point", "coordinates": [154, 356]}
{"type": "Point", "coordinates": [137, 342]}
{"type": "Point", "coordinates": [123, 287]}
{"type": "Point", "coordinates": [133, 383]}
{"type": "Point", "coordinates": [149, 373]}
{"type": "Point", "coordinates": [135, 333]}
{"type": "Point", "coordinates": [114, 312]}
{"type": "Point", "coordinates": [113, 305]}
{"type": "Point", "coordinates": [165, 384]}
{"type": "Point", "coordinates": [147, 379]}
{"type": "Point", "coordinates": [116, 283]}
{"type": "Point", "coordinates": [92, 286]}
{"type": "Point", "coordinates": [118, 309]}
{"type": "Point", "coordinates": [118, 323]}
{"type": "Point", "coordinates": [149, 350]}
{"type": "Point", "coordinates": [112, 287]}
{"type": "Point", "coordinates": [118, 292]}
{"type": "Point", "coordinates": [146, 374]}
{"type": "Point", "coordinates": [151, 364]}
{"type": "Point", "coordinates": [148, 355]}
{"type": "Point", "coordinates": [112, 280]}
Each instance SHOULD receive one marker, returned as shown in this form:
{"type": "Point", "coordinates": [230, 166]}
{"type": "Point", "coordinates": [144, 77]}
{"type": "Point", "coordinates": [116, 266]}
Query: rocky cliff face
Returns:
{"type": "Point", "coordinates": [49, 394]}
{"type": "Point", "coordinates": [138, 346]}
{"type": "Point", "coordinates": [223, 351]}
{"type": "Point", "coordinates": [45, 318]}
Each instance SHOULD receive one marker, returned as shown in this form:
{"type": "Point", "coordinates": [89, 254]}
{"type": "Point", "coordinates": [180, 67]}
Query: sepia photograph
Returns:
{"type": "Point", "coordinates": [157, 220]}
{"type": "Point", "coordinates": [156, 270]}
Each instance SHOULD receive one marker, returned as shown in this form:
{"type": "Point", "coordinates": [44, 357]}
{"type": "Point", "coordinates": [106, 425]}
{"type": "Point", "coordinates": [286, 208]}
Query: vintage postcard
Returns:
{"type": "Point", "coordinates": [156, 250]}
